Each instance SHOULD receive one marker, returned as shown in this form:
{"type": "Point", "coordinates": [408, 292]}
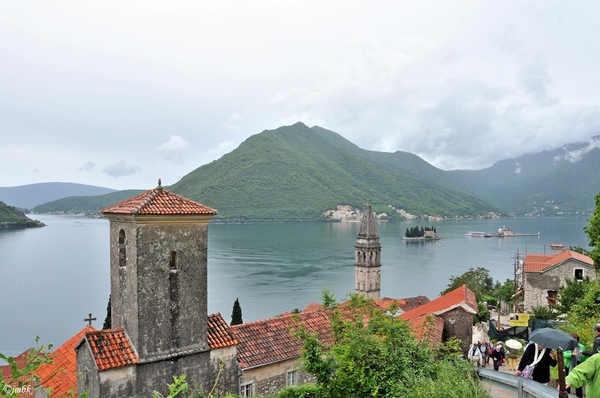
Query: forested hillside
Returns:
{"type": "Point", "coordinates": [10, 217]}
{"type": "Point", "coordinates": [297, 173]}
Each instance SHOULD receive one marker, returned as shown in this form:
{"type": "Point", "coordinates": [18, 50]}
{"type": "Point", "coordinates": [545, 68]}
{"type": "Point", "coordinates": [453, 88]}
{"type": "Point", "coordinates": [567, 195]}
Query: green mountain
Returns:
{"type": "Point", "coordinates": [557, 181]}
{"type": "Point", "coordinates": [10, 217]}
{"type": "Point", "coordinates": [297, 173]}
{"type": "Point", "coordinates": [29, 196]}
{"type": "Point", "coordinates": [85, 204]}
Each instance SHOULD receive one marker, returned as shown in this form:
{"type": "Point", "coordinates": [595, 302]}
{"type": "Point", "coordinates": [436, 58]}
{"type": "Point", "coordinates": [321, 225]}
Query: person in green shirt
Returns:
{"type": "Point", "coordinates": [572, 359]}
{"type": "Point", "coordinates": [588, 373]}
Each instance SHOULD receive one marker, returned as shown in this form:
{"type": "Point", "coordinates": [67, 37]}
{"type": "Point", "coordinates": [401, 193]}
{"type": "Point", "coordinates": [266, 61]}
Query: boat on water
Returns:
{"type": "Point", "coordinates": [478, 234]}
{"type": "Point", "coordinates": [501, 233]}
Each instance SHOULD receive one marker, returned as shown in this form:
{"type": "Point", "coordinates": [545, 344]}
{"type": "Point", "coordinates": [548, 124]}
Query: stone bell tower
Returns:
{"type": "Point", "coordinates": [158, 273]}
{"type": "Point", "coordinates": [368, 256]}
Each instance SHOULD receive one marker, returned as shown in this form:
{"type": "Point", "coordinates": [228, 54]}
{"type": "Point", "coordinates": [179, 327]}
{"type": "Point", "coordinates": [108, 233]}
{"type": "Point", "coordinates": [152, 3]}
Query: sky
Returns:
{"type": "Point", "coordinates": [121, 93]}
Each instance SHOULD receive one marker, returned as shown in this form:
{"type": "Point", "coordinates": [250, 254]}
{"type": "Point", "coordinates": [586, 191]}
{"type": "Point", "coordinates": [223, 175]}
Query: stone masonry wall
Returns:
{"type": "Point", "coordinates": [458, 323]}
{"type": "Point", "coordinates": [536, 285]}
{"type": "Point", "coordinates": [271, 378]}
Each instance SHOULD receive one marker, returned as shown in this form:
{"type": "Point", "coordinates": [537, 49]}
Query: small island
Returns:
{"type": "Point", "coordinates": [416, 234]}
{"type": "Point", "coordinates": [11, 217]}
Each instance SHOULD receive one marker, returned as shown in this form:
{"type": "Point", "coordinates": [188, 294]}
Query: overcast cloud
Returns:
{"type": "Point", "coordinates": [119, 94]}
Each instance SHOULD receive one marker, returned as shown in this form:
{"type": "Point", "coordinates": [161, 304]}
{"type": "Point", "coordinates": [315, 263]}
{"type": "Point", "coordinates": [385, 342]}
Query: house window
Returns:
{"type": "Point", "coordinates": [552, 297]}
{"type": "Point", "coordinates": [292, 378]}
{"type": "Point", "coordinates": [247, 390]}
{"type": "Point", "coordinates": [578, 274]}
{"type": "Point", "coordinates": [173, 261]}
{"type": "Point", "coordinates": [86, 379]}
{"type": "Point", "coordinates": [122, 251]}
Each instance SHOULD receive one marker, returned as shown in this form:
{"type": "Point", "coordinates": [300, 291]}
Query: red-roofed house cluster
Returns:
{"type": "Point", "coordinates": [158, 273]}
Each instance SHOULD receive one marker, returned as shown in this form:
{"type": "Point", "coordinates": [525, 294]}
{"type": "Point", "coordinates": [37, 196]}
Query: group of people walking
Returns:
{"type": "Point", "coordinates": [581, 366]}
{"type": "Point", "coordinates": [481, 353]}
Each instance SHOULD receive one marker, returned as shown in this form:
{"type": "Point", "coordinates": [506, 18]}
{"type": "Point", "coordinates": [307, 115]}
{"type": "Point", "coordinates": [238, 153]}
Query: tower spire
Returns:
{"type": "Point", "coordinates": [368, 256]}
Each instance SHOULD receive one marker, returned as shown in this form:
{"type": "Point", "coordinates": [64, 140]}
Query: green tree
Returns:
{"type": "Point", "coordinates": [593, 233]}
{"type": "Point", "coordinates": [236, 313]}
{"type": "Point", "coordinates": [373, 354]}
{"type": "Point", "coordinates": [571, 293]}
{"type": "Point", "coordinates": [507, 289]}
{"type": "Point", "coordinates": [583, 314]}
{"type": "Point", "coordinates": [544, 312]}
{"type": "Point", "coordinates": [108, 319]}
{"type": "Point", "coordinates": [477, 279]}
{"type": "Point", "coordinates": [483, 313]}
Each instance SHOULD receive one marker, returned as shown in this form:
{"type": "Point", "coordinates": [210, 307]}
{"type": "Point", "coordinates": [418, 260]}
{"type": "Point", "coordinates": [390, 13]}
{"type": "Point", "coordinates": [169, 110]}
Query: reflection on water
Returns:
{"type": "Point", "coordinates": [52, 277]}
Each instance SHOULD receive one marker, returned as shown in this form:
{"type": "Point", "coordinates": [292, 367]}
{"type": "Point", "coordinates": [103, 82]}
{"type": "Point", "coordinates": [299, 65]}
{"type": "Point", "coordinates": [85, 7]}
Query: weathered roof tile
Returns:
{"type": "Point", "coordinates": [159, 201]}
{"type": "Point", "coordinates": [111, 348]}
{"type": "Point", "coordinates": [219, 333]}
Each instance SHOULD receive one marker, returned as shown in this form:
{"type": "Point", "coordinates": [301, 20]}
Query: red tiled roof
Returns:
{"type": "Point", "coordinates": [313, 307]}
{"type": "Point", "coordinates": [159, 201]}
{"type": "Point", "coordinates": [427, 327]}
{"type": "Point", "coordinates": [21, 360]}
{"type": "Point", "coordinates": [386, 303]}
{"type": "Point", "coordinates": [271, 340]}
{"type": "Point", "coordinates": [219, 333]}
{"type": "Point", "coordinates": [111, 348]}
{"type": "Point", "coordinates": [405, 304]}
{"type": "Point", "coordinates": [541, 262]}
{"type": "Point", "coordinates": [26, 381]}
{"type": "Point", "coordinates": [61, 375]}
{"type": "Point", "coordinates": [459, 297]}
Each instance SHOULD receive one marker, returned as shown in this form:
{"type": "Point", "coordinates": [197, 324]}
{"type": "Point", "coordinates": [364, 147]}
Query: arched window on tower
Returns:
{"type": "Point", "coordinates": [122, 252]}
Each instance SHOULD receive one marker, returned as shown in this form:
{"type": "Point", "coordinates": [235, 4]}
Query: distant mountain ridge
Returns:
{"type": "Point", "coordinates": [557, 181]}
{"type": "Point", "coordinates": [29, 196]}
{"type": "Point", "coordinates": [297, 173]}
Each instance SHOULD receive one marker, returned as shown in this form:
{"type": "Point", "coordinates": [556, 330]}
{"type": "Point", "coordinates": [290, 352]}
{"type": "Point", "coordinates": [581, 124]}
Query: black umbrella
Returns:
{"type": "Point", "coordinates": [559, 341]}
{"type": "Point", "coordinates": [553, 339]}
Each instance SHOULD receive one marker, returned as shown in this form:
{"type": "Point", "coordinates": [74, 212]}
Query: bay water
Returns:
{"type": "Point", "coordinates": [53, 277]}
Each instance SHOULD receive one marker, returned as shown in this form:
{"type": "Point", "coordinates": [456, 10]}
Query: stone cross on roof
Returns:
{"type": "Point", "coordinates": [90, 319]}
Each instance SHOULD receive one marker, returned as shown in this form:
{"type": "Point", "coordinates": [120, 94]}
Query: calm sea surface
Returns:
{"type": "Point", "coordinates": [53, 277]}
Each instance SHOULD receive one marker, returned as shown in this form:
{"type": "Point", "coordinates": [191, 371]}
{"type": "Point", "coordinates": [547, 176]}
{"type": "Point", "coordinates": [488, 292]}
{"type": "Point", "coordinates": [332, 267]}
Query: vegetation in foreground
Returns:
{"type": "Point", "coordinates": [373, 354]}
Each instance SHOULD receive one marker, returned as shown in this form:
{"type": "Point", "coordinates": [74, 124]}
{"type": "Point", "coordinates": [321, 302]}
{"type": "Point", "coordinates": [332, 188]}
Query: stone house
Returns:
{"type": "Point", "coordinates": [158, 274]}
{"type": "Point", "coordinates": [456, 310]}
{"type": "Point", "coordinates": [543, 275]}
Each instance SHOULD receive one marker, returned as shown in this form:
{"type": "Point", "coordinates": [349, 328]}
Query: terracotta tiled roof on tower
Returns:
{"type": "Point", "coordinates": [159, 201]}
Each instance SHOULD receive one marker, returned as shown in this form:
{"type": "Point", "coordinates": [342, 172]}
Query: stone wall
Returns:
{"type": "Point", "coordinates": [458, 323]}
{"type": "Point", "coordinates": [271, 378]}
{"type": "Point", "coordinates": [162, 306]}
{"type": "Point", "coordinates": [536, 284]}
